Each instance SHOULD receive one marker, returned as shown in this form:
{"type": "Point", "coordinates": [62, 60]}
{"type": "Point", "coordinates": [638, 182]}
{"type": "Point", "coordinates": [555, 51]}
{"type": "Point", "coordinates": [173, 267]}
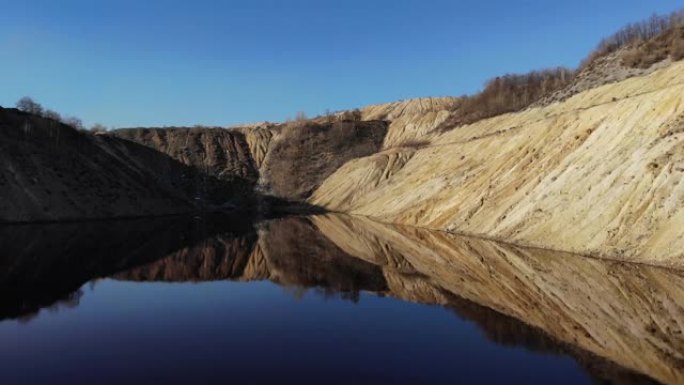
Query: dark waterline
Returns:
{"type": "Point", "coordinates": [227, 300]}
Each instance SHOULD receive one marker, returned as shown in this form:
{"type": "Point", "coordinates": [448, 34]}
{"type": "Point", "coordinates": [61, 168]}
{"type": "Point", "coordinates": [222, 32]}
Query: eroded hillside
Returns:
{"type": "Point", "coordinates": [49, 171]}
{"type": "Point", "coordinates": [287, 161]}
{"type": "Point", "coordinates": [599, 173]}
{"type": "Point", "coordinates": [589, 161]}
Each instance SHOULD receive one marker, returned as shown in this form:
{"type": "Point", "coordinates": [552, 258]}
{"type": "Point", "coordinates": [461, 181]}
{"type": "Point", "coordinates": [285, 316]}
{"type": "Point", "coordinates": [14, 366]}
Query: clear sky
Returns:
{"type": "Point", "coordinates": [145, 62]}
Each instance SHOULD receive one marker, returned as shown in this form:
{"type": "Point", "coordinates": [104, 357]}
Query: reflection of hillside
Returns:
{"type": "Point", "coordinates": [630, 314]}
{"type": "Point", "coordinates": [602, 313]}
{"type": "Point", "coordinates": [509, 331]}
{"type": "Point", "coordinates": [290, 252]}
{"type": "Point", "coordinates": [44, 265]}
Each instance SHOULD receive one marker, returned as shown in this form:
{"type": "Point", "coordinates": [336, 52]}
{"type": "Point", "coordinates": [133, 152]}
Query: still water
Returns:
{"type": "Point", "coordinates": [318, 300]}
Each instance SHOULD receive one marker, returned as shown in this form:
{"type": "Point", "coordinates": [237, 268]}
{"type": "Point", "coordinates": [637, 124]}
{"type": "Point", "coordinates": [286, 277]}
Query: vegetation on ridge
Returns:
{"type": "Point", "coordinates": [646, 42]}
{"type": "Point", "coordinates": [643, 44]}
{"type": "Point", "coordinates": [28, 105]}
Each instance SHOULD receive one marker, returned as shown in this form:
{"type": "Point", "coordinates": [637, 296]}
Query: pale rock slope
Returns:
{"type": "Point", "coordinates": [258, 139]}
{"type": "Point", "coordinates": [411, 120]}
{"type": "Point", "coordinates": [599, 173]}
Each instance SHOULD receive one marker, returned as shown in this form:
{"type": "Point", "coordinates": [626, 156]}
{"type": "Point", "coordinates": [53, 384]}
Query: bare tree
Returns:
{"type": "Point", "coordinates": [73, 122]}
{"type": "Point", "coordinates": [511, 93]}
{"type": "Point", "coordinates": [28, 105]}
{"type": "Point", "coordinates": [636, 35]}
{"type": "Point", "coordinates": [677, 50]}
{"type": "Point", "coordinates": [50, 114]}
{"type": "Point", "coordinates": [353, 115]}
{"type": "Point", "coordinates": [300, 117]}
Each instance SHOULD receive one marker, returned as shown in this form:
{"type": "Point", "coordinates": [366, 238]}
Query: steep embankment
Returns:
{"type": "Point", "coordinates": [411, 120]}
{"type": "Point", "coordinates": [599, 173]}
{"type": "Point", "coordinates": [302, 155]}
{"type": "Point", "coordinates": [49, 171]}
{"type": "Point", "coordinates": [213, 153]}
{"type": "Point", "coordinates": [52, 172]}
{"type": "Point", "coordinates": [286, 161]}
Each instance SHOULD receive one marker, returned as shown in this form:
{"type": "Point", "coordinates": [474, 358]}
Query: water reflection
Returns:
{"type": "Point", "coordinates": [621, 323]}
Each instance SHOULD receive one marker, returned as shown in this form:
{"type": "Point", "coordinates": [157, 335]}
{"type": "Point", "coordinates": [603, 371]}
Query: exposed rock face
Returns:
{"type": "Point", "coordinates": [213, 152]}
{"type": "Point", "coordinates": [48, 171]}
{"type": "Point", "coordinates": [301, 156]}
{"type": "Point", "coordinates": [411, 120]}
{"type": "Point", "coordinates": [599, 174]}
{"type": "Point", "coordinates": [52, 172]}
{"type": "Point", "coordinates": [258, 140]}
{"type": "Point", "coordinates": [285, 161]}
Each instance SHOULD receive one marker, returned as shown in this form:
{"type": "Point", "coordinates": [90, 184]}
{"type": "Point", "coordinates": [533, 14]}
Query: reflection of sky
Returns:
{"type": "Point", "coordinates": [199, 332]}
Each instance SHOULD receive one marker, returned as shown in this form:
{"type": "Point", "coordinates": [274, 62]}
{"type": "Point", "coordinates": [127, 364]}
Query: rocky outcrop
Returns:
{"type": "Point", "coordinates": [258, 140]}
{"type": "Point", "coordinates": [598, 174]}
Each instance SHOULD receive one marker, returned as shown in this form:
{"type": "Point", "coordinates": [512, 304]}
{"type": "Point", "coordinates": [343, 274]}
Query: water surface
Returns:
{"type": "Point", "coordinates": [325, 299]}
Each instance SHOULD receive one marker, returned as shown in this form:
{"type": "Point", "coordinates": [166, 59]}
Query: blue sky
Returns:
{"type": "Point", "coordinates": [142, 63]}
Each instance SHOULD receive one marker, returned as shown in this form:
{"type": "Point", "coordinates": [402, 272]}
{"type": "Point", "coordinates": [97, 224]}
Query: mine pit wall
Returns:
{"type": "Point", "coordinates": [286, 162]}
{"type": "Point", "coordinates": [214, 153]}
{"type": "Point", "coordinates": [301, 156]}
{"type": "Point", "coordinates": [599, 174]}
{"type": "Point", "coordinates": [411, 122]}
{"type": "Point", "coordinates": [51, 172]}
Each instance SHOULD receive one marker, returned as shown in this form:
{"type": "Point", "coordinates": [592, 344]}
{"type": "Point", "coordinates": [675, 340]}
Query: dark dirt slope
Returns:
{"type": "Point", "coordinates": [212, 152]}
{"type": "Point", "coordinates": [49, 171]}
